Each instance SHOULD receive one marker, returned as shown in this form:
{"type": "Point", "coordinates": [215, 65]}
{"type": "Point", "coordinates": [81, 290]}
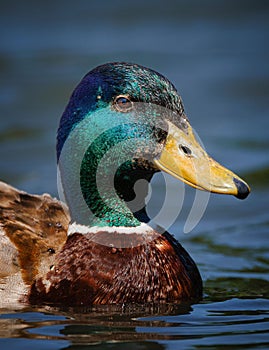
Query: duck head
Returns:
{"type": "Point", "coordinates": [123, 123]}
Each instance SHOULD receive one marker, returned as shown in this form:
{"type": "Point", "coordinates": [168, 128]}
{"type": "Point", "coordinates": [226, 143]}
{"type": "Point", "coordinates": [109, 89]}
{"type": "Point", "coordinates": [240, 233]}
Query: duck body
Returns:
{"type": "Point", "coordinates": [123, 123]}
{"type": "Point", "coordinates": [45, 261]}
{"type": "Point", "coordinates": [157, 271]}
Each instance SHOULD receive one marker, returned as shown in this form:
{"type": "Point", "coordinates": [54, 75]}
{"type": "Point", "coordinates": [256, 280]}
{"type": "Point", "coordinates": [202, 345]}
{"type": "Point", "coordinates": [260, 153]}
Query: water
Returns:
{"type": "Point", "coordinates": [217, 54]}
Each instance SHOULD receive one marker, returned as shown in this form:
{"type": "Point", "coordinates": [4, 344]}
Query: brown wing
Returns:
{"type": "Point", "coordinates": [32, 229]}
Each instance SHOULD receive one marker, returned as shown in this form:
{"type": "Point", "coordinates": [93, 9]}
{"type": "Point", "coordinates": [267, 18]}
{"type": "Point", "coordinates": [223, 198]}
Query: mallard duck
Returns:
{"type": "Point", "coordinates": [123, 123]}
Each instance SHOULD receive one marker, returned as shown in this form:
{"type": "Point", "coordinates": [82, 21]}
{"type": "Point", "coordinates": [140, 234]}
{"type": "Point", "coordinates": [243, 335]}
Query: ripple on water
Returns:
{"type": "Point", "coordinates": [234, 322]}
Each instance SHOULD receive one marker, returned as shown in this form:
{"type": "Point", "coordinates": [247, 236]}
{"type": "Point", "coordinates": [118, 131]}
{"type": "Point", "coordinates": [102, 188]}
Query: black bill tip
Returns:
{"type": "Point", "coordinates": [242, 189]}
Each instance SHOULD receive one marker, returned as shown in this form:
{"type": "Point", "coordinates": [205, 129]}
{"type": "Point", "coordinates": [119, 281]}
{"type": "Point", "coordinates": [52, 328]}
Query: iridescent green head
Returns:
{"type": "Point", "coordinates": [123, 123]}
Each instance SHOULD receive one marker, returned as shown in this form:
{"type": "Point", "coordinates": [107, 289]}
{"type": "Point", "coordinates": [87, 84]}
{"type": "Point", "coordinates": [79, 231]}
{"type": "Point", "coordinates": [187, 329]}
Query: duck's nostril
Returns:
{"type": "Point", "coordinates": [242, 189]}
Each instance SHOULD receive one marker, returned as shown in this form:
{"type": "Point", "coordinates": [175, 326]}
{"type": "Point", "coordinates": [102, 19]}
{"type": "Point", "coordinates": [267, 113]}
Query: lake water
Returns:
{"type": "Point", "coordinates": [217, 54]}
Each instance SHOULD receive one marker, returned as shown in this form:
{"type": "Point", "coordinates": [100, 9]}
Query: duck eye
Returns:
{"type": "Point", "coordinates": [123, 104]}
{"type": "Point", "coordinates": [185, 150]}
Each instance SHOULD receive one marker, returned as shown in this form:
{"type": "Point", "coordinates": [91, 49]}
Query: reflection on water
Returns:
{"type": "Point", "coordinates": [207, 325]}
{"type": "Point", "coordinates": [216, 53]}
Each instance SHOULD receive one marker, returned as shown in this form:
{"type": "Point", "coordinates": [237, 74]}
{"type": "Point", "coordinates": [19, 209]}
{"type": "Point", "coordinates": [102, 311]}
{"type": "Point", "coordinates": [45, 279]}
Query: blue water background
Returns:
{"type": "Point", "coordinates": [217, 55]}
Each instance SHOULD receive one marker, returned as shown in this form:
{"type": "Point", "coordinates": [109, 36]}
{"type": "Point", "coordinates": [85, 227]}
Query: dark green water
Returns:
{"type": "Point", "coordinates": [217, 54]}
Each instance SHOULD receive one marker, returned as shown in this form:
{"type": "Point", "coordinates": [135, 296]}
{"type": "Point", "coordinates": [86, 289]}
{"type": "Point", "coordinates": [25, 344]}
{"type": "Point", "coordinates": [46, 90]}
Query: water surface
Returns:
{"type": "Point", "coordinates": [217, 54]}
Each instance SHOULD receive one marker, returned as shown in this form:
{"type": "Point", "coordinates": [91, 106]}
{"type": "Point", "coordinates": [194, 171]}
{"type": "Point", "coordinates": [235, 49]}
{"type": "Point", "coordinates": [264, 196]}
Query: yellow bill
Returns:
{"type": "Point", "coordinates": [184, 158]}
